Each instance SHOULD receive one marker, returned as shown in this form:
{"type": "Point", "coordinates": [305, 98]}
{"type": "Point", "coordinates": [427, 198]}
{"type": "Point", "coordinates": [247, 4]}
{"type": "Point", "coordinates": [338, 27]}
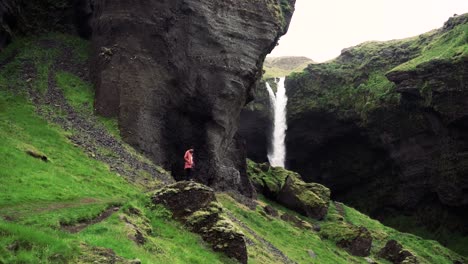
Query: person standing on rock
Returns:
{"type": "Point", "coordinates": [189, 164]}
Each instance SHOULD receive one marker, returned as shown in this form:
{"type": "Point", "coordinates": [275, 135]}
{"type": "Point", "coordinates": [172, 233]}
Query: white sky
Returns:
{"type": "Point", "coordinates": [320, 29]}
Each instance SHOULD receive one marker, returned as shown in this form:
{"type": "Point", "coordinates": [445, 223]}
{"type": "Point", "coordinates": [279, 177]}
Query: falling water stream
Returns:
{"type": "Point", "coordinates": [278, 102]}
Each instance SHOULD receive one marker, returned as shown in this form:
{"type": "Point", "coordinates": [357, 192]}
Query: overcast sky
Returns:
{"type": "Point", "coordinates": [320, 29]}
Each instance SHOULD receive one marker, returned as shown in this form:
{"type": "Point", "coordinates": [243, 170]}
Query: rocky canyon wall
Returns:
{"type": "Point", "coordinates": [177, 73]}
{"type": "Point", "coordinates": [384, 126]}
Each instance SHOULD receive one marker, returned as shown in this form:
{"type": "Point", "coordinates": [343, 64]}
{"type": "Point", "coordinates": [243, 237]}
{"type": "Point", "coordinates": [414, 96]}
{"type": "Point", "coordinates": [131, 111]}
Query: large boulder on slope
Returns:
{"type": "Point", "coordinates": [196, 206]}
{"type": "Point", "coordinates": [287, 188]}
{"type": "Point", "coordinates": [310, 199]}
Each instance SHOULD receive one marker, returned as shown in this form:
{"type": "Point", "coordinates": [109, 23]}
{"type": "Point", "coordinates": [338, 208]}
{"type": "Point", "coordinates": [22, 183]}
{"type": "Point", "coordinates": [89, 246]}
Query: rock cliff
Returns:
{"type": "Point", "coordinates": [177, 73]}
{"type": "Point", "coordinates": [384, 126]}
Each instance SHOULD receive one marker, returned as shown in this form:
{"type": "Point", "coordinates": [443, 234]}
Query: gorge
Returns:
{"type": "Point", "coordinates": [99, 100]}
{"type": "Point", "coordinates": [384, 125]}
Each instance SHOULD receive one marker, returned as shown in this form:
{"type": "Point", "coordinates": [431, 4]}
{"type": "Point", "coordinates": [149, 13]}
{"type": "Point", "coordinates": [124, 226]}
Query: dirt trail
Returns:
{"type": "Point", "coordinates": [83, 224]}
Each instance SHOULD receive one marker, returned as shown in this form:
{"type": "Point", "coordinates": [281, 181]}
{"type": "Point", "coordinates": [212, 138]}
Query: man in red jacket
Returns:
{"type": "Point", "coordinates": [189, 164]}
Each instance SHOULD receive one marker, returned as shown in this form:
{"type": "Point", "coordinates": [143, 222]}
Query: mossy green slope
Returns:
{"type": "Point", "coordinates": [355, 83]}
{"type": "Point", "coordinates": [296, 243]}
{"type": "Point", "coordinates": [275, 67]}
{"type": "Point", "coordinates": [38, 197]}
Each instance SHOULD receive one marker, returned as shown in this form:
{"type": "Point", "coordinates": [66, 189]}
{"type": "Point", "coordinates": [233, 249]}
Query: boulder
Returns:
{"type": "Point", "coordinates": [269, 210]}
{"type": "Point", "coordinates": [196, 206]}
{"type": "Point", "coordinates": [288, 188]}
{"type": "Point", "coordinates": [358, 245]}
{"type": "Point", "coordinates": [309, 199]}
{"type": "Point", "coordinates": [394, 252]}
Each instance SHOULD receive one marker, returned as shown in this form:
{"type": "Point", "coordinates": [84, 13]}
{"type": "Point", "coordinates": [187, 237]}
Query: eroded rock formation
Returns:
{"type": "Point", "coordinates": [177, 73]}
{"type": "Point", "coordinates": [384, 126]}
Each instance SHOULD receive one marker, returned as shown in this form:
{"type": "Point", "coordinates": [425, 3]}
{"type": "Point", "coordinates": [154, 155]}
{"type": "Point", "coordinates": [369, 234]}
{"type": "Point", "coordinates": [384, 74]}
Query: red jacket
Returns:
{"type": "Point", "coordinates": [188, 157]}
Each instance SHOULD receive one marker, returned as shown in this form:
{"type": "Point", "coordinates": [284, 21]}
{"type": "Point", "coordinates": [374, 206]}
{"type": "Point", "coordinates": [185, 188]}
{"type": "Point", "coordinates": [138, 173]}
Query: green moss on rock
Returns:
{"type": "Point", "coordinates": [287, 187]}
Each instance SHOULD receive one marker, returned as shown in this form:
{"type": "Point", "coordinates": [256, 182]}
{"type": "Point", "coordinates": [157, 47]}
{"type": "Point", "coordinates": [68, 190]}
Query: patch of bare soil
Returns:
{"type": "Point", "coordinates": [83, 224]}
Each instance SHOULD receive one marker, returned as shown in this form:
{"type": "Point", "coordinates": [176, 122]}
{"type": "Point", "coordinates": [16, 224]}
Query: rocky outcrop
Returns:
{"type": "Point", "coordinates": [287, 188]}
{"type": "Point", "coordinates": [176, 76]}
{"type": "Point", "coordinates": [394, 252]}
{"type": "Point", "coordinates": [175, 73]}
{"type": "Point", "coordinates": [195, 205]}
{"type": "Point", "coordinates": [387, 121]}
{"type": "Point", "coordinates": [358, 245]}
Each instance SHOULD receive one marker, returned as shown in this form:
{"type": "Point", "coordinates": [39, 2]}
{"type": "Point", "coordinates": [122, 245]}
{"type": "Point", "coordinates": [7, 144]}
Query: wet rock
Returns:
{"type": "Point", "coordinates": [394, 252]}
{"type": "Point", "coordinates": [195, 205]}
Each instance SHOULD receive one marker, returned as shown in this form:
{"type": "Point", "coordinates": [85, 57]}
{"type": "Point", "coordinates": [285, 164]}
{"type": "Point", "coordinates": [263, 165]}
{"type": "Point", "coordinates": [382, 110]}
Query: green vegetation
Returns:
{"type": "Point", "coordinates": [272, 178]}
{"type": "Point", "coordinates": [355, 83]}
{"type": "Point", "coordinates": [448, 46]}
{"type": "Point", "coordinates": [38, 197]}
{"type": "Point", "coordinates": [79, 94]}
{"type": "Point", "coordinates": [296, 242]}
{"type": "Point", "coordinates": [275, 67]}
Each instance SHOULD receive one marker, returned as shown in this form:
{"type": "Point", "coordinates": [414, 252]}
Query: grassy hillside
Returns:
{"type": "Point", "coordinates": [70, 190]}
{"type": "Point", "coordinates": [38, 199]}
{"type": "Point", "coordinates": [355, 83]}
{"type": "Point", "coordinates": [275, 67]}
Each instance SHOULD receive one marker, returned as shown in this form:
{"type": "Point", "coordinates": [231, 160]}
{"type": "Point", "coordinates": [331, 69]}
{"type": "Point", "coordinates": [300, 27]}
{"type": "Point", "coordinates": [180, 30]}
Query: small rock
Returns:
{"type": "Point", "coordinates": [37, 155]}
{"type": "Point", "coordinates": [15, 246]}
{"type": "Point", "coordinates": [135, 261]}
{"type": "Point", "coordinates": [370, 261]}
{"type": "Point", "coordinates": [269, 210]}
{"type": "Point", "coordinates": [312, 253]}
{"type": "Point", "coordinates": [316, 228]}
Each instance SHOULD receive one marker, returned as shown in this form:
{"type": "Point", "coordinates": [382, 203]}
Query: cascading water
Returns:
{"type": "Point", "coordinates": [278, 103]}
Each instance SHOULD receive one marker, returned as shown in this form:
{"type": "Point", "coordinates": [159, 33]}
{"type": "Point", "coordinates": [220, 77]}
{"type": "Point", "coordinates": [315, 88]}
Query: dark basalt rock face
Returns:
{"type": "Point", "coordinates": [8, 13]}
{"type": "Point", "coordinates": [27, 17]}
{"type": "Point", "coordinates": [405, 156]}
{"type": "Point", "coordinates": [256, 124]}
{"type": "Point", "coordinates": [177, 73]}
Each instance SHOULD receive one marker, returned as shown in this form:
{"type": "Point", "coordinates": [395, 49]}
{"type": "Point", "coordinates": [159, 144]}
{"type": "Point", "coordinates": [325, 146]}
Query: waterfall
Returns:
{"type": "Point", "coordinates": [278, 103]}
